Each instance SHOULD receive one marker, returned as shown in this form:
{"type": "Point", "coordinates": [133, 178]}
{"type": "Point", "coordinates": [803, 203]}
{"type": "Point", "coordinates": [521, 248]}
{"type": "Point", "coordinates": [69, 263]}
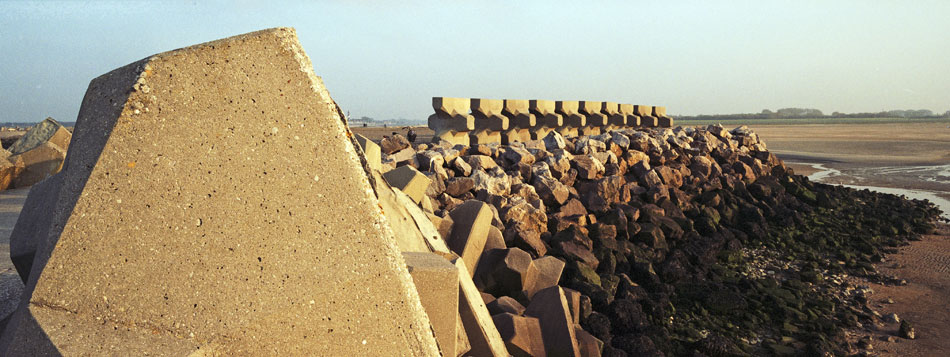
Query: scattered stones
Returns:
{"type": "Point", "coordinates": [907, 330]}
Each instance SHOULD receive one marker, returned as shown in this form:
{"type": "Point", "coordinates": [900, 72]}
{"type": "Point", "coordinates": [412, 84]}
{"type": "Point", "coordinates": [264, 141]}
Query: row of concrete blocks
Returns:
{"type": "Point", "coordinates": [510, 120]}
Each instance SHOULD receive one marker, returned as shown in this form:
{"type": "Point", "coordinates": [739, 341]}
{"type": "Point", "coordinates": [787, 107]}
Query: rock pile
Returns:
{"type": "Point", "coordinates": [648, 226]}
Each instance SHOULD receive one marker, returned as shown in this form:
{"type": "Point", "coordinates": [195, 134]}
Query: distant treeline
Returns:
{"type": "Point", "coordinates": [807, 113]}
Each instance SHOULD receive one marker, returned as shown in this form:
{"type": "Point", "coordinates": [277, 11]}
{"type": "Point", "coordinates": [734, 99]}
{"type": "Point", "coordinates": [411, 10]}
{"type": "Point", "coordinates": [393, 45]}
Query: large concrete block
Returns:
{"type": "Point", "coordinates": [451, 121]}
{"type": "Point", "coordinates": [408, 180]}
{"type": "Point", "coordinates": [48, 130]}
{"type": "Point", "coordinates": [595, 120]}
{"type": "Point", "coordinates": [437, 281]}
{"type": "Point", "coordinates": [549, 273]}
{"type": "Point", "coordinates": [32, 228]}
{"type": "Point", "coordinates": [645, 112]}
{"type": "Point", "coordinates": [663, 120]}
{"type": "Point", "coordinates": [482, 334]}
{"type": "Point", "coordinates": [396, 207]}
{"type": "Point", "coordinates": [546, 116]}
{"type": "Point", "coordinates": [632, 120]}
{"type": "Point", "coordinates": [371, 152]}
{"type": "Point", "coordinates": [40, 162]}
{"type": "Point", "coordinates": [520, 121]}
{"type": "Point", "coordinates": [615, 119]}
{"type": "Point", "coordinates": [471, 222]}
{"type": "Point", "coordinates": [489, 121]}
{"type": "Point", "coordinates": [239, 232]}
{"type": "Point", "coordinates": [557, 328]}
{"type": "Point", "coordinates": [510, 273]}
{"type": "Point", "coordinates": [573, 119]}
{"type": "Point", "coordinates": [522, 335]}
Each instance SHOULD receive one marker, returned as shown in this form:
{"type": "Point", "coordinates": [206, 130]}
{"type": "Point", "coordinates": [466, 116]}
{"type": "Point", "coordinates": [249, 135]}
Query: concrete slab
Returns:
{"type": "Point", "coordinates": [472, 220]}
{"type": "Point", "coordinates": [549, 273]}
{"type": "Point", "coordinates": [40, 162]}
{"type": "Point", "coordinates": [482, 334]}
{"type": "Point", "coordinates": [408, 180]}
{"type": "Point", "coordinates": [48, 130]}
{"type": "Point", "coordinates": [371, 152]}
{"type": "Point", "coordinates": [240, 262]}
{"type": "Point", "coordinates": [522, 335]}
{"type": "Point", "coordinates": [551, 308]}
{"type": "Point", "coordinates": [436, 281]}
{"type": "Point", "coordinates": [596, 121]}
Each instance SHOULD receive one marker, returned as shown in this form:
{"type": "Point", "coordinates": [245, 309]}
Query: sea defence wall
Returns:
{"type": "Point", "coordinates": [465, 121]}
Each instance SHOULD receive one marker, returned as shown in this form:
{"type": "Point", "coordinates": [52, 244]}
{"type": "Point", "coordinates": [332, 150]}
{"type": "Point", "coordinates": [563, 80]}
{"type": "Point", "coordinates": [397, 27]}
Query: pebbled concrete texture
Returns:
{"type": "Point", "coordinates": [213, 202]}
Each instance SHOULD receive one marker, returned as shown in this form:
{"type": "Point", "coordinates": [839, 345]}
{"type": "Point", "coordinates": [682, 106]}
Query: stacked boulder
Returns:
{"type": "Point", "coordinates": [580, 206]}
{"type": "Point", "coordinates": [35, 156]}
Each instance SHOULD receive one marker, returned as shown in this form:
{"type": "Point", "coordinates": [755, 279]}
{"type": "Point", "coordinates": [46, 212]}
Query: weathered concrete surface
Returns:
{"type": "Point", "coordinates": [573, 119]}
{"type": "Point", "coordinates": [159, 249]}
{"type": "Point", "coordinates": [522, 335]}
{"type": "Point", "coordinates": [632, 119]}
{"type": "Point", "coordinates": [489, 121]}
{"type": "Point", "coordinates": [520, 121]}
{"type": "Point", "coordinates": [645, 112]}
{"type": "Point", "coordinates": [437, 281]}
{"type": "Point", "coordinates": [451, 121]}
{"type": "Point", "coordinates": [546, 116]}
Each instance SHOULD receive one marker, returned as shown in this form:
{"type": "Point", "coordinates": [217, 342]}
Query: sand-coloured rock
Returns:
{"type": "Point", "coordinates": [645, 112]}
{"type": "Point", "coordinates": [489, 121]}
{"type": "Point", "coordinates": [520, 121]}
{"type": "Point", "coordinates": [573, 119]}
{"type": "Point", "coordinates": [451, 121]}
{"type": "Point", "coordinates": [595, 120]}
{"type": "Point", "coordinates": [547, 118]}
{"type": "Point", "coordinates": [213, 202]}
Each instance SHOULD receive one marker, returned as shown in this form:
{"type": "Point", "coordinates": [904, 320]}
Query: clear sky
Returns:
{"type": "Point", "coordinates": [387, 59]}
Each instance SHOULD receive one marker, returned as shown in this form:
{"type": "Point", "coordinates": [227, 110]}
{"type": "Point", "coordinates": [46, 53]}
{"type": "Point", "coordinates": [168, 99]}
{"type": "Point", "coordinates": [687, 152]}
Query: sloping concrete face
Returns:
{"type": "Point", "coordinates": [249, 228]}
{"type": "Point", "coordinates": [451, 121]}
{"type": "Point", "coordinates": [32, 229]}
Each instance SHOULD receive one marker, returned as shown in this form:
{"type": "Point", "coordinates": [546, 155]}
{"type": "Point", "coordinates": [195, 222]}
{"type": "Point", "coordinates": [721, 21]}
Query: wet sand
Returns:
{"type": "Point", "coordinates": [923, 302]}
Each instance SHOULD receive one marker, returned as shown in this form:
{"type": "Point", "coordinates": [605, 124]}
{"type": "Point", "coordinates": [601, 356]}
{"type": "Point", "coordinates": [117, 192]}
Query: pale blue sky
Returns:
{"type": "Point", "coordinates": [386, 59]}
